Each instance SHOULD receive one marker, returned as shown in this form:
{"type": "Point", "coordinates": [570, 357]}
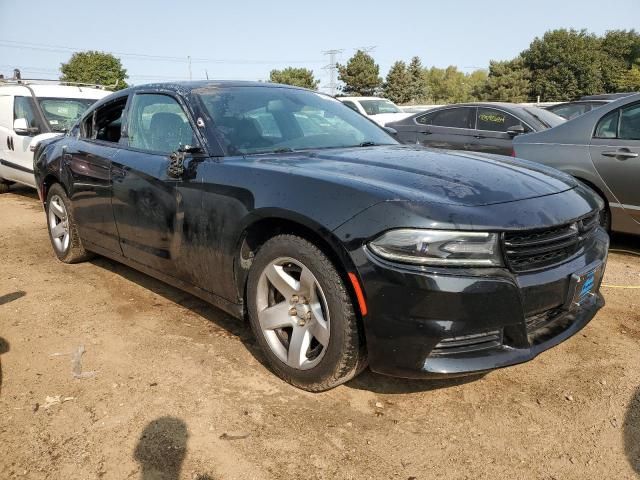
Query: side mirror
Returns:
{"type": "Point", "coordinates": [515, 130]}
{"type": "Point", "coordinates": [21, 127]}
{"type": "Point", "coordinates": [391, 131]}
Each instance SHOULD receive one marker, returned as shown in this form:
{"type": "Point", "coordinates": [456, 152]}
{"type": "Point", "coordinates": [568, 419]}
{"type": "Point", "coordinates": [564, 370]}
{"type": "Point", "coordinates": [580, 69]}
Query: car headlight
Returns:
{"type": "Point", "coordinates": [439, 247]}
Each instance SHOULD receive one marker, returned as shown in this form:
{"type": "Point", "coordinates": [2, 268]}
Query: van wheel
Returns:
{"type": "Point", "coordinates": [302, 315]}
{"type": "Point", "coordinates": [62, 227]}
{"type": "Point", "coordinates": [4, 186]}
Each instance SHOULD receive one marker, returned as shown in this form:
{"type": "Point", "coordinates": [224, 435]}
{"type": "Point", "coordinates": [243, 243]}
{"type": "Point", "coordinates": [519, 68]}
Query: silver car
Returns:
{"type": "Point", "coordinates": [602, 149]}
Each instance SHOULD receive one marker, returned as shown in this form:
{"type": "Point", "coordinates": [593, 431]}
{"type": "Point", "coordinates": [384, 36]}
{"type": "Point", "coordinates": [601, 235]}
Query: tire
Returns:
{"type": "Point", "coordinates": [65, 240]}
{"type": "Point", "coordinates": [4, 186]}
{"type": "Point", "coordinates": [324, 325]}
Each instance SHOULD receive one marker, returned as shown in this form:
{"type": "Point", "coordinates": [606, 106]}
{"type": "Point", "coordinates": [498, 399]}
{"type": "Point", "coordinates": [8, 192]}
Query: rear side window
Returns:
{"type": "Point", "coordinates": [608, 126]}
{"type": "Point", "coordinates": [493, 120]}
{"type": "Point", "coordinates": [462, 117]}
{"type": "Point", "coordinates": [105, 123]}
{"type": "Point", "coordinates": [630, 123]}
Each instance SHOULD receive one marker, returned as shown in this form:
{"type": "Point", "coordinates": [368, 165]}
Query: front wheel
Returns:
{"type": "Point", "coordinates": [302, 315]}
{"type": "Point", "coordinates": [62, 227]}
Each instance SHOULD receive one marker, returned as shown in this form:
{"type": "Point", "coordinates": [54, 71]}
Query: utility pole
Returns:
{"type": "Point", "coordinates": [368, 48]}
{"type": "Point", "coordinates": [333, 80]}
{"type": "Point", "coordinates": [189, 61]}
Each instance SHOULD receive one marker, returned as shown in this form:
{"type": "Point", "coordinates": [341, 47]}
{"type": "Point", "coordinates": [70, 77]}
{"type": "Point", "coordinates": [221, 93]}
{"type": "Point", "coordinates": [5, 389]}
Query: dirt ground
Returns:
{"type": "Point", "coordinates": [169, 384]}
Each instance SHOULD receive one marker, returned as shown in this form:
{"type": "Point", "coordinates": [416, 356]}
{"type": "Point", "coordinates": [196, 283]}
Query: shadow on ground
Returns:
{"type": "Point", "coordinates": [624, 243]}
{"type": "Point", "coordinates": [24, 191]}
{"type": "Point", "coordinates": [632, 432]}
{"type": "Point", "coordinates": [374, 382]}
{"type": "Point", "coordinates": [10, 297]}
{"type": "Point", "coordinates": [4, 348]}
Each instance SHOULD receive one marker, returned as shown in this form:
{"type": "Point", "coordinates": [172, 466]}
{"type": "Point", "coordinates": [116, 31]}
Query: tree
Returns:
{"type": "Point", "coordinates": [507, 82]}
{"type": "Point", "coordinates": [361, 75]}
{"type": "Point", "coordinates": [397, 87]}
{"type": "Point", "coordinates": [629, 80]}
{"type": "Point", "coordinates": [621, 52]}
{"type": "Point", "coordinates": [94, 67]}
{"type": "Point", "coordinates": [299, 77]}
{"type": "Point", "coordinates": [564, 64]}
{"type": "Point", "coordinates": [419, 89]}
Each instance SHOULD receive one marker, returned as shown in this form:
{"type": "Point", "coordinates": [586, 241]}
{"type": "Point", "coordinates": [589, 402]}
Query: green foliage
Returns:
{"type": "Point", "coordinates": [564, 64]}
{"type": "Point", "coordinates": [621, 52]}
{"type": "Point", "coordinates": [299, 77]}
{"type": "Point", "coordinates": [449, 85]}
{"type": "Point", "coordinates": [94, 67]}
{"type": "Point", "coordinates": [629, 80]}
{"type": "Point", "coordinates": [507, 82]}
{"type": "Point", "coordinates": [397, 87]}
{"type": "Point", "coordinates": [361, 75]}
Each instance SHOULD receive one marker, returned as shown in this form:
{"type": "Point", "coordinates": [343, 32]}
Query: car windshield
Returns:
{"type": "Point", "coordinates": [252, 120]}
{"type": "Point", "coordinates": [62, 113]}
{"type": "Point", "coordinates": [375, 107]}
{"type": "Point", "coordinates": [547, 118]}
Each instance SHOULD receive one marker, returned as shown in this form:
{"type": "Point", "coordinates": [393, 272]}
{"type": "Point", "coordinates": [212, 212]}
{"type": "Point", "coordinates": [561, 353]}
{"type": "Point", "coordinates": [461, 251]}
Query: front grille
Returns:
{"type": "Point", "coordinates": [536, 249]}
{"type": "Point", "coordinates": [468, 343]}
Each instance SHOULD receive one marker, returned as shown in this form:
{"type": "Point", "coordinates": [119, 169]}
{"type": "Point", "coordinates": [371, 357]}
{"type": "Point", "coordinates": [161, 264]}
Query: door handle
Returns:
{"type": "Point", "coordinates": [424, 132]}
{"type": "Point", "coordinates": [479, 136]}
{"type": "Point", "coordinates": [621, 154]}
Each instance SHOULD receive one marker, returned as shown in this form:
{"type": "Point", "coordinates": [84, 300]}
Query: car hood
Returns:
{"type": "Point", "coordinates": [399, 172]}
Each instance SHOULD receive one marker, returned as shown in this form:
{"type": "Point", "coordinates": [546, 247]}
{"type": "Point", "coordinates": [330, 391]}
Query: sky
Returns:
{"type": "Point", "coordinates": [244, 40]}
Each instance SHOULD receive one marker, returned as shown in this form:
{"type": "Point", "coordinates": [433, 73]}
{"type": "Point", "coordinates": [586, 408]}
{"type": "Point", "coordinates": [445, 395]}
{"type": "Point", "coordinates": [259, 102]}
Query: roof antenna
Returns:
{"type": "Point", "coordinates": [206, 73]}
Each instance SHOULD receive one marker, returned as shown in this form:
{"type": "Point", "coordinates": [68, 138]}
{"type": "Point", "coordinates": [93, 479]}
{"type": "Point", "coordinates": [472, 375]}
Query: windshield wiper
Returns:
{"type": "Point", "coordinates": [282, 150]}
{"type": "Point", "coordinates": [368, 144]}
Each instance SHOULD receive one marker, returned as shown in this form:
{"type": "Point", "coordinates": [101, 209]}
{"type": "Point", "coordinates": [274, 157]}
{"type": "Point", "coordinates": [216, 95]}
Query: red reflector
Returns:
{"type": "Point", "coordinates": [513, 152]}
{"type": "Point", "coordinates": [358, 291]}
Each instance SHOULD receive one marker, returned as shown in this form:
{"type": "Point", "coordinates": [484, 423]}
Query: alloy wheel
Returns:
{"type": "Point", "coordinates": [293, 313]}
{"type": "Point", "coordinates": [59, 223]}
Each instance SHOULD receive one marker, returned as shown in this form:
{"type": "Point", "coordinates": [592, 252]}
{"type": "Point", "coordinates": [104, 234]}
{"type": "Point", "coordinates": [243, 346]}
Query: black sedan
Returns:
{"type": "Point", "coordinates": [479, 127]}
{"type": "Point", "coordinates": [340, 246]}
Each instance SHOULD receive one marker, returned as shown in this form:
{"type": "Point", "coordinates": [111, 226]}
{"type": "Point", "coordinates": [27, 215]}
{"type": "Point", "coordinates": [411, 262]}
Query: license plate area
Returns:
{"type": "Point", "coordinates": [584, 286]}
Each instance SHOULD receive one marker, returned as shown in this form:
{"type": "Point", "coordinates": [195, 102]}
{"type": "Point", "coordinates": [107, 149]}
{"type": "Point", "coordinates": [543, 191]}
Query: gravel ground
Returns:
{"type": "Point", "coordinates": [169, 387]}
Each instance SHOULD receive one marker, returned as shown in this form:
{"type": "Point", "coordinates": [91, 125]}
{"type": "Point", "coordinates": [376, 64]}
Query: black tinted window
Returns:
{"type": "Point", "coordinates": [426, 118]}
{"type": "Point", "coordinates": [630, 123]}
{"type": "Point", "coordinates": [454, 117]}
{"type": "Point", "coordinates": [496, 120]}
{"type": "Point", "coordinates": [105, 123]}
{"type": "Point", "coordinates": [608, 126]}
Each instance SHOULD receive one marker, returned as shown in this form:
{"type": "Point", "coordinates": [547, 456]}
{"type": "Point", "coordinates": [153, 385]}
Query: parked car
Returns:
{"type": "Point", "coordinates": [31, 111]}
{"type": "Point", "coordinates": [601, 149]}
{"type": "Point", "coordinates": [380, 110]}
{"type": "Point", "coordinates": [481, 127]}
{"type": "Point", "coordinates": [569, 110]}
{"type": "Point", "coordinates": [342, 246]}
{"type": "Point", "coordinates": [585, 104]}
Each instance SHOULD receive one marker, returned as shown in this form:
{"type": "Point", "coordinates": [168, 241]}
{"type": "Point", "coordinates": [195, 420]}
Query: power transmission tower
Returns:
{"type": "Point", "coordinates": [368, 48]}
{"type": "Point", "coordinates": [332, 67]}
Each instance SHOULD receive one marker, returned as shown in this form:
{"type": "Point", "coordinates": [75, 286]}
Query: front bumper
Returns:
{"type": "Point", "coordinates": [447, 322]}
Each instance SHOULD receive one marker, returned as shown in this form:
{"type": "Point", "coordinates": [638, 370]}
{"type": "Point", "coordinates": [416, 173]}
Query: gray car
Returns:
{"type": "Point", "coordinates": [602, 149]}
{"type": "Point", "coordinates": [480, 127]}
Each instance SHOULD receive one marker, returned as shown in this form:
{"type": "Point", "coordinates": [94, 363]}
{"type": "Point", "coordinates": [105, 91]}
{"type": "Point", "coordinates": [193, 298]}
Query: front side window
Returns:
{"type": "Point", "coordinates": [23, 108]}
{"type": "Point", "coordinates": [630, 123]}
{"type": "Point", "coordinates": [105, 123]}
{"type": "Point", "coordinates": [62, 113]}
{"type": "Point", "coordinates": [375, 107]}
{"type": "Point", "coordinates": [493, 120]}
{"type": "Point", "coordinates": [608, 126]}
{"type": "Point", "coordinates": [268, 119]}
{"type": "Point", "coordinates": [462, 117]}
{"type": "Point", "coordinates": [157, 123]}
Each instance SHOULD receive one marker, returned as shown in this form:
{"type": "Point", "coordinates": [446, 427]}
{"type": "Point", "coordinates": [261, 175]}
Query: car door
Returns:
{"type": "Point", "coordinates": [87, 165]}
{"type": "Point", "coordinates": [17, 161]}
{"type": "Point", "coordinates": [450, 128]}
{"type": "Point", "coordinates": [147, 203]}
{"type": "Point", "coordinates": [491, 134]}
{"type": "Point", "coordinates": [615, 152]}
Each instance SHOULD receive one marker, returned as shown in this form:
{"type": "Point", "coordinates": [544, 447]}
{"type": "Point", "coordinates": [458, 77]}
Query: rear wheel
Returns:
{"type": "Point", "coordinates": [302, 315]}
{"type": "Point", "coordinates": [62, 227]}
{"type": "Point", "coordinates": [4, 186]}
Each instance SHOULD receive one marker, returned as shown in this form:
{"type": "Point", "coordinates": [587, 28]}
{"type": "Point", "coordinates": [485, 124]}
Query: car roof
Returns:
{"type": "Point", "coordinates": [53, 90]}
{"type": "Point", "coordinates": [361, 98]}
{"type": "Point", "coordinates": [607, 96]}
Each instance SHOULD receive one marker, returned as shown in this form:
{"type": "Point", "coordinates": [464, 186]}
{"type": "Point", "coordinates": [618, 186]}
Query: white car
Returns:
{"type": "Point", "coordinates": [32, 111]}
{"type": "Point", "coordinates": [380, 110]}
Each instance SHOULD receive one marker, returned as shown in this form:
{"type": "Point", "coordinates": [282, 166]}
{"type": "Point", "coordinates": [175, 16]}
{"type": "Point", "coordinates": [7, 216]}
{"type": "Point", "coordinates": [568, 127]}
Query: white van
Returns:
{"type": "Point", "coordinates": [31, 111]}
